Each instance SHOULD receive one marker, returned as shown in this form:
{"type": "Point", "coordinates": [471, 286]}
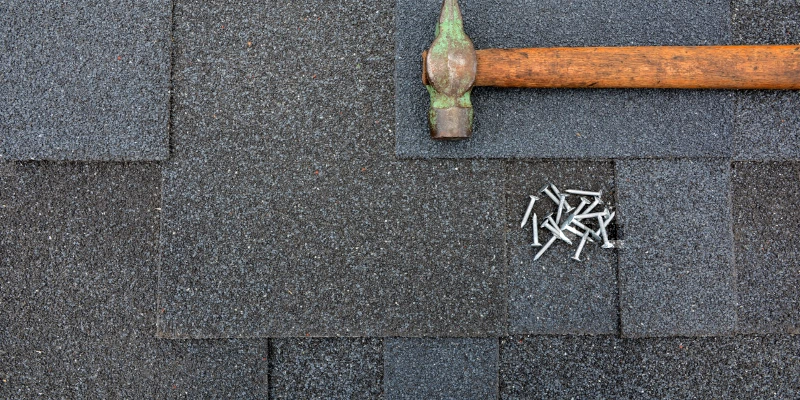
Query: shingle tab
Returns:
{"type": "Point", "coordinates": [586, 367]}
{"type": "Point", "coordinates": [555, 294]}
{"type": "Point", "coordinates": [676, 267]}
{"type": "Point", "coordinates": [767, 122]}
{"type": "Point", "coordinates": [78, 249]}
{"type": "Point", "coordinates": [330, 368]}
{"type": "Point", "coordinates": [84, 80]}
{"type": "Point", "coordinates": [223, 369]}
{"type": "Point", "coordinates": [765, 215]}
{"type": "Point", "coordinates": [446, 368]}
{"type": "Point", "coordinates": [285, 213]}
{"type": "Point", "coordinates": [569, 123]}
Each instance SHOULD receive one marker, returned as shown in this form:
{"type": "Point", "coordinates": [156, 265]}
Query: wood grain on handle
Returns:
{"type": "Point", "coordinates": [676, 67]}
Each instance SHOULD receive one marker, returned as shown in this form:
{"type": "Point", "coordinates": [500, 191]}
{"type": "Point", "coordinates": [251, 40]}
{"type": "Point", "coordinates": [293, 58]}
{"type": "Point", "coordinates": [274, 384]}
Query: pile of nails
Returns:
{"type": "Point", "coordinates": [571, 223]}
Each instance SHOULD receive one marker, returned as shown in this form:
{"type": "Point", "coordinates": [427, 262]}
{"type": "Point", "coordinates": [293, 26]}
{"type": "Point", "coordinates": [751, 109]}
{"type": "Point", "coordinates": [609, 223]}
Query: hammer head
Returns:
{"type": "Point", "coordinates": [448, 71]}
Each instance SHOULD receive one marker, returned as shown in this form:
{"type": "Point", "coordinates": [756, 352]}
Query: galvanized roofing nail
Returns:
{"type": "Point", "coordinates": [593, 205]}
{"type": "Point", "coordinates": [546, 246]}
{"type": "Point", "coordinates": [584, 193]}
{"type": "Point", "coordinates": [606, 244]}
{"type": "Point", "coordinates": [528, 211]}
{"type": "Point", "coordinates": [557, 193]}
{"type": "Point", "coordinates": [577, 256]}
{"type": "Point", "coordinates": [603, 213]}
{"type": "Point", "coordinates": [550, 195]}
{"type": "Point", "coordinates": [584, 202]}
{"type": "Point", "coordinates": [561, 199]}
{"type": "Point", "coordinates": [535, 232]}
{"type": "Point", "coordinates": [557, 232]}
{"type": "Point", "coordinates": [595, 236]}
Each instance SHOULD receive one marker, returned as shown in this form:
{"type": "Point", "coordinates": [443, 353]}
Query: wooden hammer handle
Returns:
{"type": "Point", "coordinates": [676, 67]}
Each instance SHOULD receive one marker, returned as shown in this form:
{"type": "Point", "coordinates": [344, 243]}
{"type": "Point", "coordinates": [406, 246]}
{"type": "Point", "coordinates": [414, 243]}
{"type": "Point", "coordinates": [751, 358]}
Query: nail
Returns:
{"type": "Point", "coordinates": [606, 243]}
{"type": "Point", "coordinates": [595, 236]}
{"type": "Point", "coordinates": [562, 198]}
{"type": "Point", "coordinates": [593, 205]}
{"type": "Point", "coordinates": [584, 202]}
{"type": "Point", "coordinates": [544, 220]}
{"type": "Point", "coordinates": [558, 193]}
{"type": "Point", "coordinates": [577, 256]}
{"type": "Point", "coordinates": [546, 246]}
{"type": "Point", "coordinates": [573, 231]}
{"type": "Point", "coordinates": [528, 211]}
{"type": "Point", "coordinates": [557, 232]}
{"type": "Point", "coordinates": [605, 224]}
{"type": "Point", "coordinates": [567, 221]}
{"type": "Point", "coordinates": [547, 192]}
{"type": "Point", "coordinates": [535, 232]}
{"type": "Point", "coordinates": [585, 193]}
{"type": "Point", "coordinates": [593, 215]}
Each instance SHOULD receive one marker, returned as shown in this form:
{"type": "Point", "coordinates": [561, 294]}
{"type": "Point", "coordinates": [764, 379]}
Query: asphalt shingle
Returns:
{"type": "Point", "coordinates": [767, 124]}
{"type": "Point", "coordinates": [570, 123]}
{"type": "Point", "coordinates": [765, 221]}
{"type": "Point", "coordinates": [78, 292]}
{"type": "Point", "coordinates": [446, 368]}
{"type": "Point", "coordinates": [84, 80]}
{"type": "Point", "coordinates": [219, 369]}
{"type": "Point", "coordinates": [78, 249]}
{"type": "Point", "coordinates": [331, 368]}
{"type": "Point", "coordinates": [555, 294]}
{"type": "Point", "coordinates": [603, 367]}
{"type": "Point", "coordinates": [284, 211]}
{"type": "Point", "coordinates": [676, 266]}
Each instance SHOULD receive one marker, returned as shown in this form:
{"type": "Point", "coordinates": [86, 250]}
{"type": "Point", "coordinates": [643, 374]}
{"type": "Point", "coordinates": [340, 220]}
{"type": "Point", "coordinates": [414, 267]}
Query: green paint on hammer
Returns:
{"type": "Point", "coordinates": [450, 66]}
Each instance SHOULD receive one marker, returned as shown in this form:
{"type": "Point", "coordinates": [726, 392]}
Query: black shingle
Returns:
{"type": "Point", "coordinates": [78, 250]}
{"type": "Point", "coordinates": [284, 211]}
{"type": "Point", "coordinates": [334, 368]}
{"type": "Point", "coordinates": [446, 368]}
{"type": "Point", "coordinates": [586, 367]}
{"type": "Point", "coordinates": [765, 221]}
{"type": "Point", "coordinates": [84, 80]}
{"type": "Point", "coordinates": [676, 266]}
{"type": "Point", "coordinates": [767, 124]}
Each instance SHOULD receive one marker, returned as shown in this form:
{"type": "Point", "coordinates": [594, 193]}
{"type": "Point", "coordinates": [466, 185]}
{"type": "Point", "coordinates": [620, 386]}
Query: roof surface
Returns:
{"type": "Point", "coordinates": [262, 215]}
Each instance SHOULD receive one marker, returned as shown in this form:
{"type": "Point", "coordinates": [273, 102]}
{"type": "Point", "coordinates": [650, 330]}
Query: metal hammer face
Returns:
{"type": "Point", "coordinates": [448, 71]}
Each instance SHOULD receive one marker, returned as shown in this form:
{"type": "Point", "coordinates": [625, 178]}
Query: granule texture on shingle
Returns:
{"type": "Point", "coordinates": [84, 80]}
{"type": "Point", "coordinates": [326, 368]}
{"type": "Point", "coordinates": [78, 283]}
{"type": "Point", "coordinates": [285, 212]}
{"type": "Point", "coordinates": [556, 294]}
{"type": "Point", "coordinates": [605, 367]}
{"type": "Point", "coordinates": [765, 230]}
{"type": "Point", "coordinates": [676, 264]}
{"type": "Point", "coordinates": [440, 368]}
{"type": "Point", "coordinates": [767, 124]}
{"type": "Point", "coordinates": [582, 123]}
{"type": "Point", "coordinates": [78, 250]}
{"type": "Point", "coordinates": [220, 369]}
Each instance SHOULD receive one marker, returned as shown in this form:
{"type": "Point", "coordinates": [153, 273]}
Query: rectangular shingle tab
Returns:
{"type": "Point", "coordinates": [227, 368]}
{"type": "Point", "coordinates": [767, 124]}
{"type": "Point", "coordinates": [586, 367]}
{"type": "Point", "coordinates": [285, 213]}
{"type": "Point", "coordinates": [84, 80]}
{"type": "Point", "coordinates": [556, 294]}
{"type": "Point", "coordinates": [77, 276]}
{"type": "Point", "coordinates": [329, 368]}
{"type": "Point", "coordinates": [765, 199]}
{"type": "Point", "coordinates": [554, 123]}
{"type": "Point", "coordinates": [676, 266]}
{"type": "Point", "coordinates": [444, 368]}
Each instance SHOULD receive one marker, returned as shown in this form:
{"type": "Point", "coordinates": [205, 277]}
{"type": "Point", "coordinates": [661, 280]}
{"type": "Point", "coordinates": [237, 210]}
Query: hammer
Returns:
{"type": "Point", "coordinates": [451, 67]}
